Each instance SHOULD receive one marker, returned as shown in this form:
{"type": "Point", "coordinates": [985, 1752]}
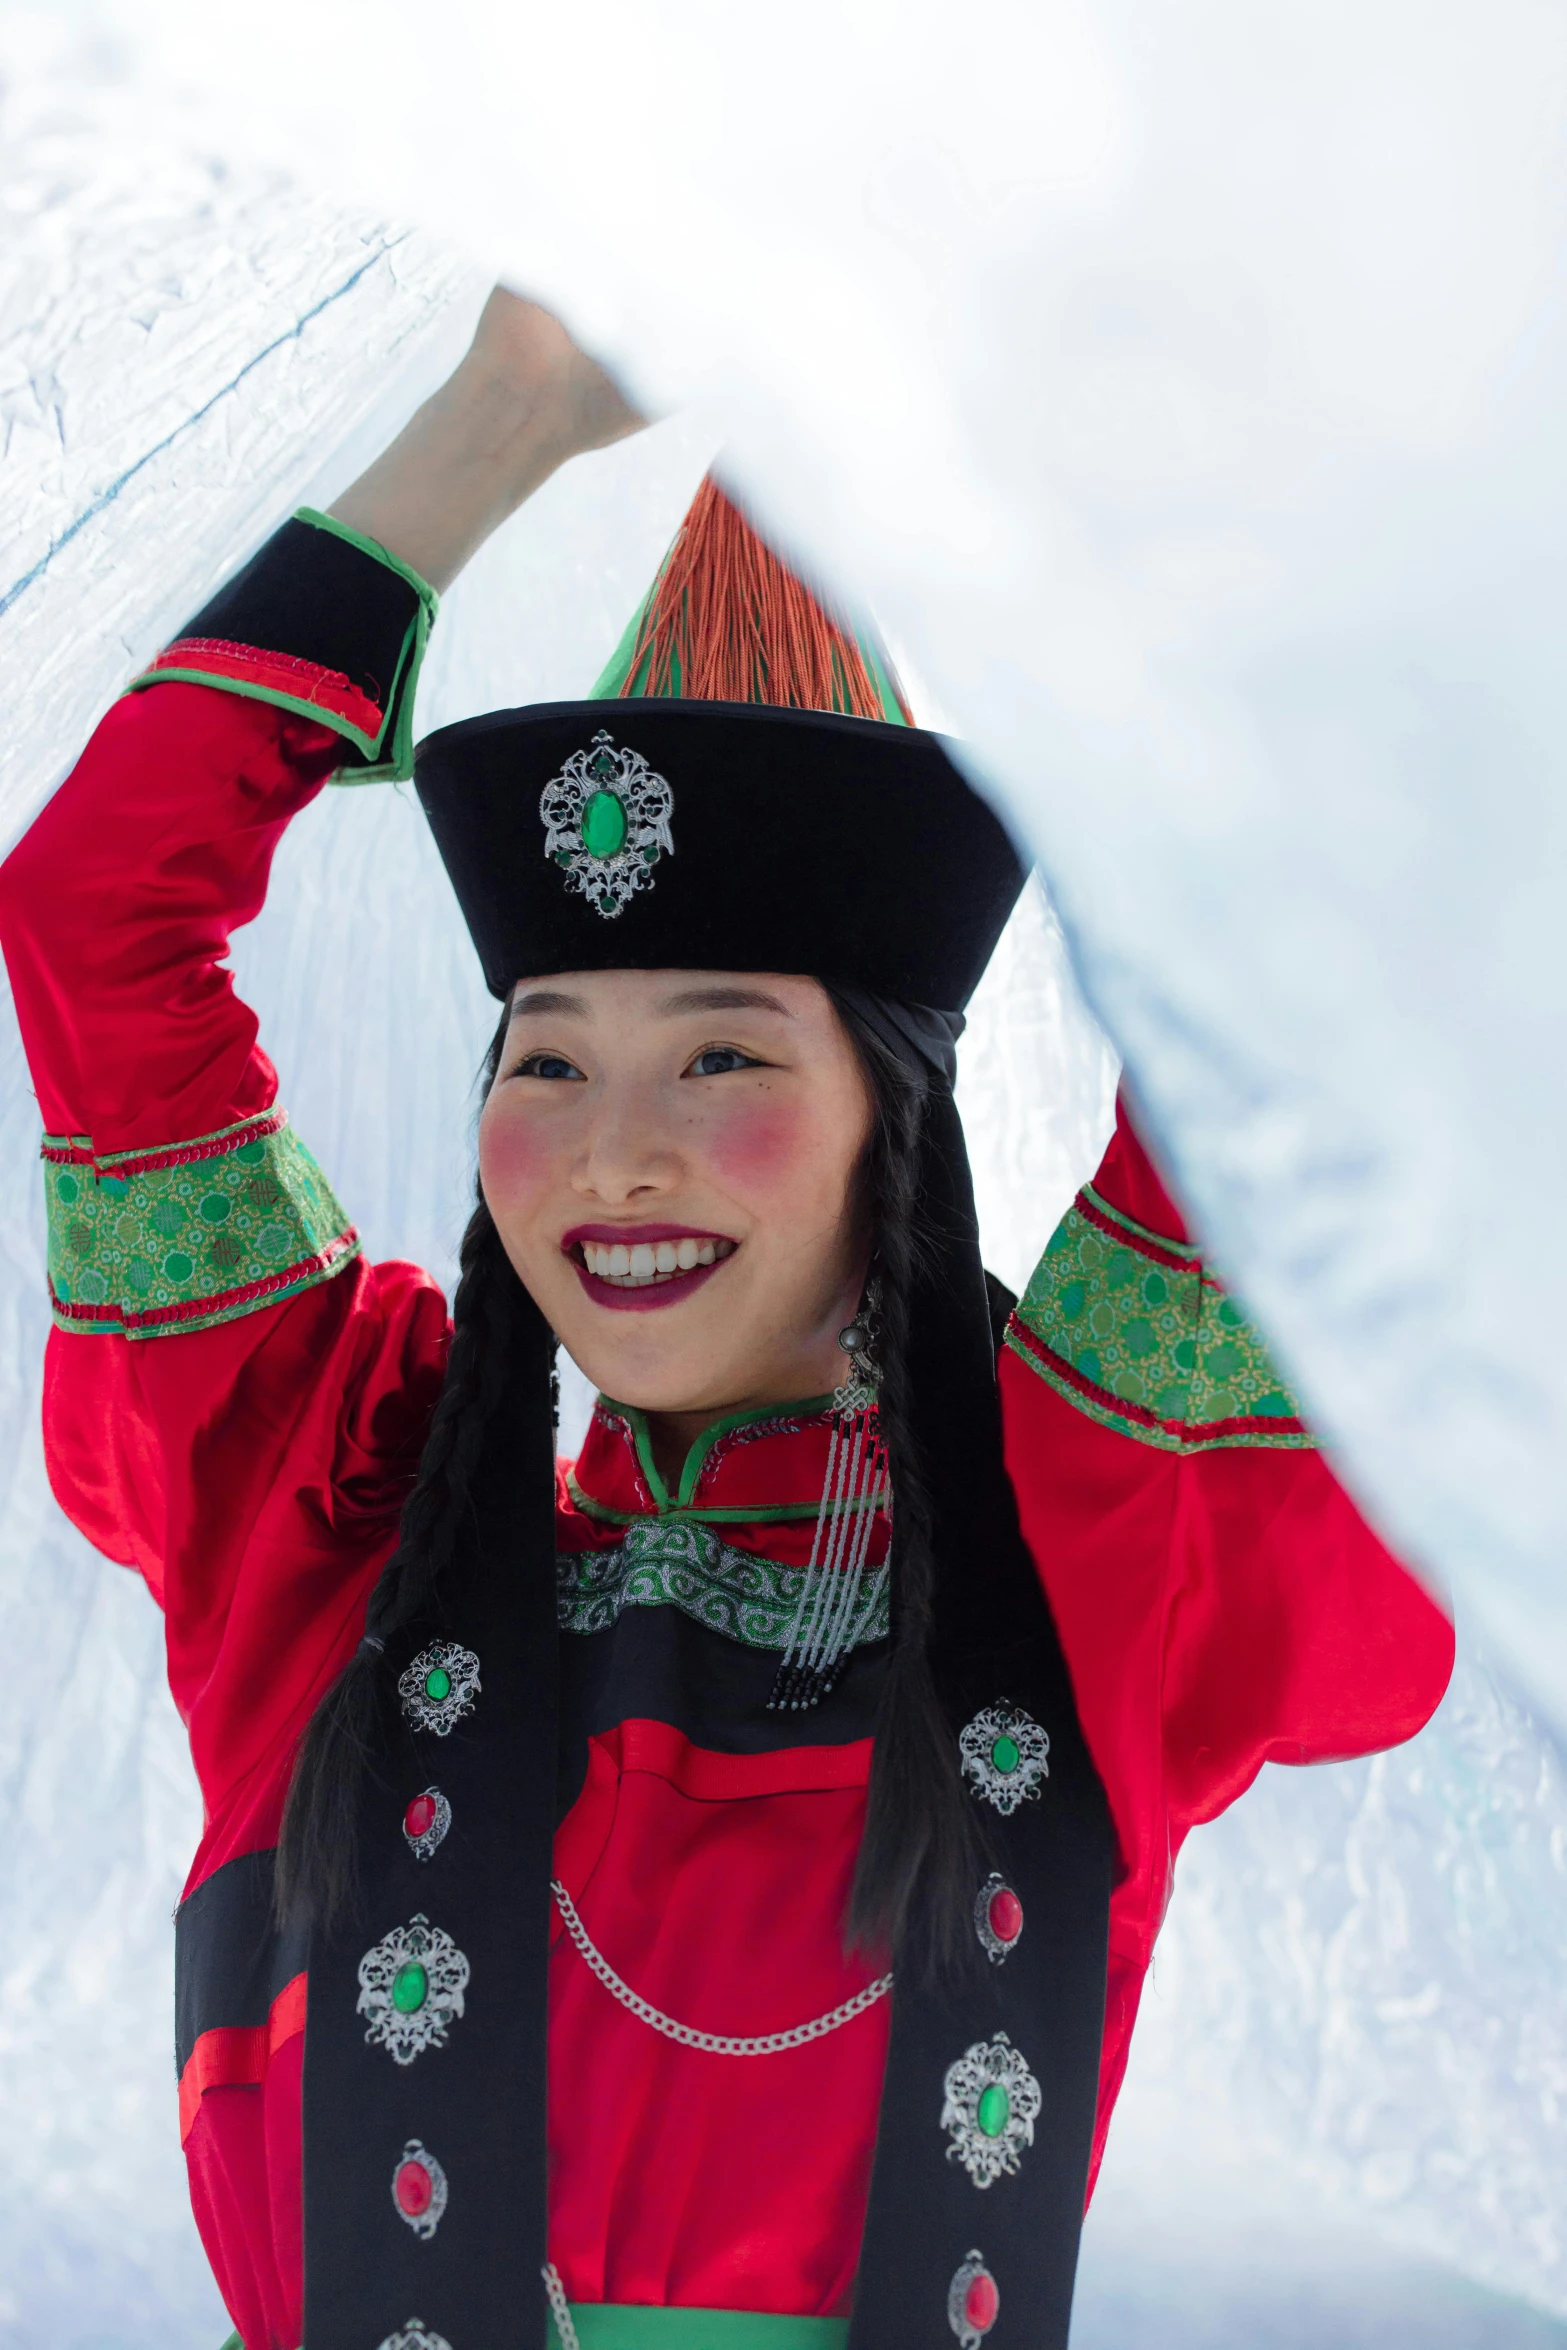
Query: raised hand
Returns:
{"type": "Point", "coordinates": [523, 399]}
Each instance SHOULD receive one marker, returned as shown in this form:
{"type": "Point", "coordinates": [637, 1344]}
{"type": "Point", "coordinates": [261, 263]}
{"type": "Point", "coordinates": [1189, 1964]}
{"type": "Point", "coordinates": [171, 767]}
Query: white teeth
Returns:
{"type": "Point", "coordinates": [634, 1264]}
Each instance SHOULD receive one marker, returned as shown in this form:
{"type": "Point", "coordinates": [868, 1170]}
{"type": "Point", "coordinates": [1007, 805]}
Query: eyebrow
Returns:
{"type": "Point", "coordinates": [723, 999]}
{"type": "Point", "coordinates": [548, 1000]}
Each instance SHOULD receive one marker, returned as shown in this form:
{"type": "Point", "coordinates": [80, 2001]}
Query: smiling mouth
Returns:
{"type": "Point", "coordinates": [649, 1264]}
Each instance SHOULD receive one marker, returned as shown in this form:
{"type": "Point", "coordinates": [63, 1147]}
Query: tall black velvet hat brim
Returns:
{"type": "Point", "coordinates": [741, 838]}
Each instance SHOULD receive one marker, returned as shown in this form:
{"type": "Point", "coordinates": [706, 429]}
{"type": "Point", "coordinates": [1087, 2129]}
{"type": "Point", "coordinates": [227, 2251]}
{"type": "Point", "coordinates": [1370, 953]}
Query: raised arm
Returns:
{"type": "Point", "coordinates": [234, 1401]}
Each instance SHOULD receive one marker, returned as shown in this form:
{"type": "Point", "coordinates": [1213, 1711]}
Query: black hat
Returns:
{"type": "Point", "coordinates": [723, 836]}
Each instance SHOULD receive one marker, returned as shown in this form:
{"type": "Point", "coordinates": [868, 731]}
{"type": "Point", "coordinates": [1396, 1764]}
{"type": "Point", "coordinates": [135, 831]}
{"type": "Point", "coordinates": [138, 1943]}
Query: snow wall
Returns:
{"type": "Point", "coordinates": [1304, 838]}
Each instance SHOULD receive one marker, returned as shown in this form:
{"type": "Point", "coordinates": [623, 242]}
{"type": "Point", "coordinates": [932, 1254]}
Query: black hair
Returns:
{"type": "Point", "coordinates": [914, 1882]}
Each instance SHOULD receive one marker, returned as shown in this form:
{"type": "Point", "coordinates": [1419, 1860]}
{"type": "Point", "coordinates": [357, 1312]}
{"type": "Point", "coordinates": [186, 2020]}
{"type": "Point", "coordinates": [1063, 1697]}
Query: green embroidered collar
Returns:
{"type": "Point", "coordinates": [749, 1468]}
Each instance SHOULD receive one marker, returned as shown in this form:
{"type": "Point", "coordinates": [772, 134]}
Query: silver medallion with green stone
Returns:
{"type": "Point", "coordinates": [1003, 1751]}
{"type": "Point", "coordinates": [438, 1689]}
{"type": "Point", "coordinates": [606, 823]}
{"type": "Point", "coordinates": [411, 1987]}
{"type": "Point", "coordinates": [991, 2102]}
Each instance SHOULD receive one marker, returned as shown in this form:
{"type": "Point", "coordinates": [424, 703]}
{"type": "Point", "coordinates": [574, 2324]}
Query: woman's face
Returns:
{"type": "Point", "coordinates": [669, 1160]}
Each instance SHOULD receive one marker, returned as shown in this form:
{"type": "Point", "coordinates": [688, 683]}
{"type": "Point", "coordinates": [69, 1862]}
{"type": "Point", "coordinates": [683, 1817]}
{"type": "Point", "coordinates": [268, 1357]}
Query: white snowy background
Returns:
{"type": "Point", "coordinates": [1185, 411]}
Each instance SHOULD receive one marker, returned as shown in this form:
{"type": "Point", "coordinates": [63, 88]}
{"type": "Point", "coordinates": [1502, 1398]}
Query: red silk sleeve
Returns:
{"type": "Point", "coordinates": [116, 909]}
{"type": "Point", "coordinates": [253, 1468]}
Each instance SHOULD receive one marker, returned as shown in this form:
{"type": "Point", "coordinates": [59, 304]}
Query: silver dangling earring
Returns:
{"type": "Point", "coordinates": [837, 1602]}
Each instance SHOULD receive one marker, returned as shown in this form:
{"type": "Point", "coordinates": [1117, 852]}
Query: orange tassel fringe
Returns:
{"type": "Point", "coordinates": [727, 622]}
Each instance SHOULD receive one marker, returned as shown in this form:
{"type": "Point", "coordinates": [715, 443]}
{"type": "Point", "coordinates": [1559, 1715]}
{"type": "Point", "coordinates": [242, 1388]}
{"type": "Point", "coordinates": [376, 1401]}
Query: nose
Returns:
{"type": "Point", "coordinates": [628, 1152]}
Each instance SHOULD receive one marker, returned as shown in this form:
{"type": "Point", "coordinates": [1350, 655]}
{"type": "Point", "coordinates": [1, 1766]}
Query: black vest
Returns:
{"type": "Point", "coordinates": [956, 2185]}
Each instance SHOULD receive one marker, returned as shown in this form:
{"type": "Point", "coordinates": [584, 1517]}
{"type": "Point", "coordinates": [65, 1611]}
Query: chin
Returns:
{"type": "Point", "coordinates": [658, 1371]}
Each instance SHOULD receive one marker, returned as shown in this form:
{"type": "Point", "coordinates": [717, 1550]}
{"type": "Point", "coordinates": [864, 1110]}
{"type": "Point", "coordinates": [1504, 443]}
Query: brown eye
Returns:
{"type": "Point", "coordinates": [554, 1066]}
{"type": "Point", "coordinates": [718, 1059]}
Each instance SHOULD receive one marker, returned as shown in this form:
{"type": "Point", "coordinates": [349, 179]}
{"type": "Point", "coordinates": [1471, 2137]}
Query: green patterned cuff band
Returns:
{"type": "Point", "coordinates": [1130, 1329]}
{"type": "Point", "coordinates": [143, 1244]}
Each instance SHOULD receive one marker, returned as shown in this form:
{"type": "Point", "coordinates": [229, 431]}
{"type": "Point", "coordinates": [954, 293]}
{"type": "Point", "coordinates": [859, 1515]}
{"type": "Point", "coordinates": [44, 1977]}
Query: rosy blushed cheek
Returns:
{"type": "Point", "coordinates": [515, 1157]}
{"type": "Point", "coordinates": [756, 1147]}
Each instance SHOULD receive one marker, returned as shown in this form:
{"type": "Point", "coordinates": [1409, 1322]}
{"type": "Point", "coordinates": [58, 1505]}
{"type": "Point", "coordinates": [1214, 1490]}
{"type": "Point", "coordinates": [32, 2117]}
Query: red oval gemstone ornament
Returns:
{"type": "Point", "coordinates": [973, 2302]}
{"type": "Point", "coordinates": [981, 2302]}
{"type": "Point", "coordinates": [998, 1918]}
{"type": "Point", "coordinates": [426, 1821]}
{"type": "Point", "coordinates": [1006, 1914]}
{"type": "Point", "coordinates": [419, 2189]}
{"type": "Point", "coordinates": [414, 2188]}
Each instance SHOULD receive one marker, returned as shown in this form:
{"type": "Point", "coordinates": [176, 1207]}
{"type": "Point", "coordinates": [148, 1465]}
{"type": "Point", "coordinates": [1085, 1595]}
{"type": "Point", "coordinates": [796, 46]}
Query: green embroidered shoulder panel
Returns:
{"type": "Point", "coordinates": [1132, 1330]}
{"type": "Point", "coordinates": [143, 1244]}
{"type": "Point", "coordinates": [665, 1562]}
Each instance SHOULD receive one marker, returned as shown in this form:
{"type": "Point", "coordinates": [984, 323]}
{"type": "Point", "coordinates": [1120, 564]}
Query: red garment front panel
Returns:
{"type": "Point", "coordinates": [713, 1884]}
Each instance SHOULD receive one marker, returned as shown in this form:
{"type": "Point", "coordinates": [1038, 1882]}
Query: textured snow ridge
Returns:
{"type": "Point", "coordinates": [1348, 2078]}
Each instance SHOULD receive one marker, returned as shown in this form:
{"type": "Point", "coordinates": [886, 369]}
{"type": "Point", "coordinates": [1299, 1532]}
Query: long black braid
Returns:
{"type": "Point", "coordinates": [913, 1886]}
{"type": "Point", "coordinates": [916, 1871]}
{"type": "Point", "coordinates": [491, 1319]}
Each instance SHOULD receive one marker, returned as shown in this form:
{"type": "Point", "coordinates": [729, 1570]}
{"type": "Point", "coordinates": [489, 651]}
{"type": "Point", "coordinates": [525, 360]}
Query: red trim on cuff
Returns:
{"type": "Point", "coordinates": [279, 673]}
{"type": "Point", "coordinates": [187, 1154]}
{"type": "Point", "coordinates": [236, 2056]}
{"type": "Point", "coordinates": [1143, 1241]}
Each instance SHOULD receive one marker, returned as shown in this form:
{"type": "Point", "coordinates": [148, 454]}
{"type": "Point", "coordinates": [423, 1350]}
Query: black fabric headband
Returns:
{"type": "Point", "coordinates": [925, 1039]}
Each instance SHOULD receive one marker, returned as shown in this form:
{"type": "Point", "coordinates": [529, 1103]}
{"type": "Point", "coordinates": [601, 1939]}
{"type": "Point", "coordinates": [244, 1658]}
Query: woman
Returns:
{"type": "Point", "coordinates": [660, 1772]}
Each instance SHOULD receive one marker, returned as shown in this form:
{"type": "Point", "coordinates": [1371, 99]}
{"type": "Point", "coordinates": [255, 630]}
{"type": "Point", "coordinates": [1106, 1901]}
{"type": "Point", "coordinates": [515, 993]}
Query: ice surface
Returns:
{"type": "Point", "coordinates": [1344, 2115]}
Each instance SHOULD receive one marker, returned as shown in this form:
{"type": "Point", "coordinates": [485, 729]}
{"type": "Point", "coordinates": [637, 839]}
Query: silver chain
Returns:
{"type": "Point", "coordinates": [716, 2043]}
{"type": "Point", "coordinates": [560, 2307]}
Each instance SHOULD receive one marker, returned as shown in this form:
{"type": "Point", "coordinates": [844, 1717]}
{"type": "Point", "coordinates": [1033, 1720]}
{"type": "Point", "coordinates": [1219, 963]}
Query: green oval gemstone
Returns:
{"type": "Point", "coordinates": [1004, 1754]}
{"type": "Point", "coordinates": [604, 825]}
{"type": "Point", "coordinates": [993, 2111]}
{"type": "Point", "coordinates": [437, 1684]}
{"type": "Point", "coordinates": [411, 1988]}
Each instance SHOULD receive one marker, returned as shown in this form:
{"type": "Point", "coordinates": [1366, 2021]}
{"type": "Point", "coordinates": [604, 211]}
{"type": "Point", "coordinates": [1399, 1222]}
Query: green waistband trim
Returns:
{"type": "Point", "coordinates": [1132, 1331]}
{"type": "Point", "coordinates": [623, 2325]}
{"type": "Point", "coordinates": [664, 1562]}
{"type": "Point", "coordinates": [144, 1244]}
{"type": "Point", "coordinates": [626, 2325]}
